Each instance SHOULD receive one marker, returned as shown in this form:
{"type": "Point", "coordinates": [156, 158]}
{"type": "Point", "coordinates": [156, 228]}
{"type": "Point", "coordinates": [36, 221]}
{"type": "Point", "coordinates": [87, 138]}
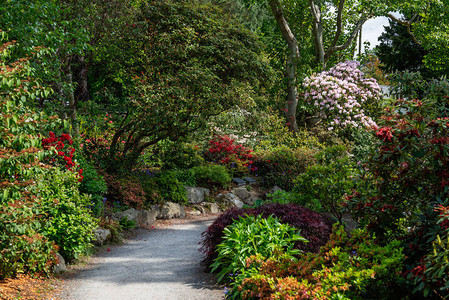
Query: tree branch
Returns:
{"type": "Point", "coordinates": [354, 32]}
{"type": "Point", "coordinates": [339, 19]}
{"type": "Point", "coordinates": [408, 24]}
{"type": "Point", "coordinates": [276, 8]}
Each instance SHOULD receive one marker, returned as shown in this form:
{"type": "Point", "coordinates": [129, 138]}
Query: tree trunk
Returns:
{"type": "Point", "coordinates": [317, 28]}
{"type": "Point", "coordinates": [82, 90]}
{"type": "Point", "coordinates": [292, 98]}
{"type": "Point", "coordinates": [72, 104]}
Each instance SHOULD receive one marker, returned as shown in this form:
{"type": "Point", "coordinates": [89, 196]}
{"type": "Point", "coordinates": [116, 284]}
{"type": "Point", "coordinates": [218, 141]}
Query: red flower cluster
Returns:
{"type": "Point", "coordinates": [385, 133]}
{"type": "Point", "coordinates": [223, 150]}
{"type": "Point", "coordinates": [65, 153]}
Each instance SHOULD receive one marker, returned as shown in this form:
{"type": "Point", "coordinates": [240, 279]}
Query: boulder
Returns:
{"type": "Point", "coordinates": [212, 207]}
{"type": "Point", "coordinates": [59, 267]}
{"type": "Point", "coordinates": [229, 199]}
{"type": "Point", "coordinates": [131, 213]}
{"type": "Point", "coordinates": [146, 218]}
{"type": "Point", "coordinates": [101, 235]}
{"type": "Point", "coordinates": [196, 195]}
{"type": "Point", "coordinates": [170, 210]}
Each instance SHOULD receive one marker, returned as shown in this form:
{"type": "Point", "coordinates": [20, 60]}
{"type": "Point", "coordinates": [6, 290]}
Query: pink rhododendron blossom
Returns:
{"type": "Point", "coordinates": [342, 91]}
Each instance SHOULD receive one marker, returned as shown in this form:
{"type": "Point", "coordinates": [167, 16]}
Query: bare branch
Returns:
{"type": "Point", "coordinates": [407, 23]}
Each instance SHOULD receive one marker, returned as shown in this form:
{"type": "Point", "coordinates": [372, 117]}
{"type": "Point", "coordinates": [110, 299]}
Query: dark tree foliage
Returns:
{"type": "Point", "coordinates": [194, 62]}
{"type": "Point", "coordinates": [397, 50]}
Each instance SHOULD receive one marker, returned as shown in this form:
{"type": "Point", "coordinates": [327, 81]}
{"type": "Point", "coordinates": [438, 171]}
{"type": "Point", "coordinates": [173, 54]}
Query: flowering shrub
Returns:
{"type": "Point", "coordinates": [314, 227]}
{"type": "Point", "coordinates": [409, 169]}
{"type": "Point", "coordinates": [347, 267]}
{"type": "Point", "coordinates": [41, 210]}
{"type": "Point", "coordinates": [341, 94]}
{"type": "Point", "coordinates": [281, 165]}
{"type": "Point", "coordinates": [405, 179]}
{"type": "Point", "coordinates": [431, 275]}
{"type": "Point", "coordinates": [236, 158]}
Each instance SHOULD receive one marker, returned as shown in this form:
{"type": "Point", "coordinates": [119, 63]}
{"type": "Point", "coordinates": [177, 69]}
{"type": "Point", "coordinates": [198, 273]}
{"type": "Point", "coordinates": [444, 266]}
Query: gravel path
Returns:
{"type": "Point", "coordinates": [163, 263]}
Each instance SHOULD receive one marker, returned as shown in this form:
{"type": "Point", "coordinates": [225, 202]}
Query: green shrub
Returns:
{"type": "Point", "coordinates": [281, 197]}
{"type": "Point", "coordinates": [23, 248]}
{"type": "Point", "coordinates": [281, 165]}
{"type": "Point", "coordinates": [69, 222]}
{"type": "Point", "coordinates": [170, 188]}
{"type": "Point", "coordinates": [323, 186]}
{"type": "Point", "coordinates": [180, 156]}
{"type": "Point", "coordinates": [211, 175]}
{"type": "Point", "coordinates": [94, 185]}
{"type": "Point", "coordinates": [250, 236]}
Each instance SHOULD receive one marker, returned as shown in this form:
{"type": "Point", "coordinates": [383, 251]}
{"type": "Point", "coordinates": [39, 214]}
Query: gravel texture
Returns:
{"type": "Point", "coordinates": [162, 263]}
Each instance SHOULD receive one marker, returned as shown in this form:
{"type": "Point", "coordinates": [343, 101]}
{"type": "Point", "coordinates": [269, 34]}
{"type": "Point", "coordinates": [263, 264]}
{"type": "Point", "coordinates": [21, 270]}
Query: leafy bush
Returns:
{"type": "Point", "coordinates": [93, 183]}
{"type": "Point", "coordinates": [211, 175]}
{"type": "Point", "coordinates": [323, 185]}
{"type": "Point", "coordinates": [431, 276]}
{"type": "Point", "coordinates": [23, 248]}
{"type": "Point", "coordinates": [275, 133]}
{"type": "Point", "coordinates": [180, 156]}
{"type": "Point", "coordinates": [252, 235]}
{"type": "Point", "coordinates": [408, 170]}
{"type": "Point", "coordinates": [347, 267]}
{"type": "Point", "coordinates": [125, 189]}
{"type": "Point", "coordinates": [406, 179]}
{"type": "Point", "coordinates": [38, 216]}
{"type": "Point", "coordinates": [314, 227]}
{"type": "Point", "coordinates": [281, 165]}
{"type": "Point", "coordinates": [69, 222]}
{"type": "Point", "coordinates": [170, 188]}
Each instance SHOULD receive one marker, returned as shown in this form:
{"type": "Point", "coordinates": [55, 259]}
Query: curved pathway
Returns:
{"type": "Point", "coordinates": [163, 263]}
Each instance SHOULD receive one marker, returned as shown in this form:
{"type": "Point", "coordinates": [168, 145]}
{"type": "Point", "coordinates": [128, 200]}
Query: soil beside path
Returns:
{"type": "Point", "coordinates": [162, 263]}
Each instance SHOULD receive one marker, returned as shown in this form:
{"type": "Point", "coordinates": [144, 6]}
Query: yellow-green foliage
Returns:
{"type": "Point", "coordinates": [275, 133]}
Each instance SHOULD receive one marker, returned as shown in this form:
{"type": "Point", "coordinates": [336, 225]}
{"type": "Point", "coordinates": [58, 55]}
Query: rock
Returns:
{"type": "Point", "coordinates": [101, 235]}
{"type": "Point", "coordinates": [196, 195]}
{"type": "Point", "coordinates": [201, 209]}
{"type": "Point", "coordinates": [170, 210]}
{"type": "Point", "coordinates": [247, 197]}
{"type": "Point", "coordinates": [212, 207]}
{"type": "Point", "coordinates": [193, 212]}
{"type": "Point", "coordinates": [229, 199]}
{"type": "Point", "coordinates": [131, 213]}
{"type": "Point", "coordinates": [146, 218]}
{"type": "Point", "coordinates": [59, 267]}
{"type": "Point", "coordinates": [274, 189]}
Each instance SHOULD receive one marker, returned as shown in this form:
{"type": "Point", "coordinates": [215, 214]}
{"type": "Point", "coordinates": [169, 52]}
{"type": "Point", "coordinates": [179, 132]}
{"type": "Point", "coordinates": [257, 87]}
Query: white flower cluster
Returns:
{"type": "Point", "coordinates": [339, 94]}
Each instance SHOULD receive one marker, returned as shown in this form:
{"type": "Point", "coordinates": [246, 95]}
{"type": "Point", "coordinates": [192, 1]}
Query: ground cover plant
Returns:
{"type": "Point", "coordinates": [347, 267]}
